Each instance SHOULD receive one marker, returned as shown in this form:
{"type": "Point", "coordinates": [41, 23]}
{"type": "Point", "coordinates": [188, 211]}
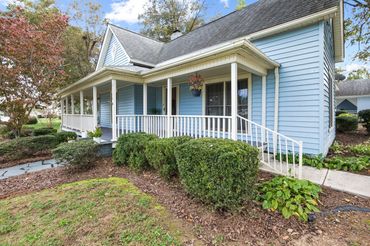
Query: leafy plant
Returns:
{"type": "Point", "coordinates": [365, 117]}
{"type": "Point", "coordinates": [32, 120]}
{"type": "Point", "coordinates": [44, 131]}
{"type": "Point", "coordinates": [346, 122]}
{"type": "Point", "coordinates": [307, 160]}
{"type": "Point", "coordinates": [337, 148]}
{"type": "Point", "coordinates": [218, 172]}
{"type": "Point", "coordinates": [354, 164]}
{"type": "Point", "coordinates": [97, 133]}
{"type": "Point", "coordinates": [290, 197]}
{"type": "Point", "coordinates": [161, 155]}
{"type": "Point", "coordinates": [130, 150]}
{"type": "Point", "coordinates": [80, 154]}
{"type": "Point", "coordinates": [361, 149]}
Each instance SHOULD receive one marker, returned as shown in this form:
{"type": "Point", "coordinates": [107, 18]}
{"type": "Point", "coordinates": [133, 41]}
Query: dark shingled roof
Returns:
{"type": "Point", "coordinates": [360, 87]}
{"type": "Point", "coordinates": [255, 17]}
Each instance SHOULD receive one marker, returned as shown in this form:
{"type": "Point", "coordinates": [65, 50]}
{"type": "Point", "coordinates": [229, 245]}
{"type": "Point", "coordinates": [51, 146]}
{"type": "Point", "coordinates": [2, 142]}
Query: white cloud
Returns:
{"type": "Point", "coordinates": [225, 3]}
{"type": "Point", "coordinates": [126, 10]}
{"type": "Point", "coordinates": [354, 66]}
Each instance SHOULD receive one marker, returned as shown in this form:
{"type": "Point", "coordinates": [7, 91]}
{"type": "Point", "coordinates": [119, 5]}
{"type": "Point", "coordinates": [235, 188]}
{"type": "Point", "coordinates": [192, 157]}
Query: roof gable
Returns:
{"type": "Point", "coordinates": [115, 54]}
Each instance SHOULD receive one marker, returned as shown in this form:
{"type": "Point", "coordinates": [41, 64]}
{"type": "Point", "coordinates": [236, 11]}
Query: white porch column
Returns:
{"type": "Point", "coordinates": [234, 101]}
{"type": "Point", "coordinates": [95, 106]}
{"type": "Point", "coordinates": [114, 110]}
{"type": "Point", "coordinates": [264, 100]}
{"type": "Point", "coordinates": [169, 106]}
{"type": "Point", "coordinates": [67, 105]}
{"type": "Point", "coordinates": [145, 105]}
{"type": "Point", "coordinates": [81, 102]}
{"type": "Point", "coordinates": [277, 86]}
{"type": "Point", "coordinates": [81, 110]}
{"type": "Point", "coordinates": [61, 111]}
{"type": "Point", "coordinates": [72, 104]}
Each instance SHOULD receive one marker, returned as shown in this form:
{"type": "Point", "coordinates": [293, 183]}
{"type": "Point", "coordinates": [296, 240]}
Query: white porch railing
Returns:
{"type": "Point", "coordinates": [78, 122]}
{"type": "Point", "coordinates": [277, 151]}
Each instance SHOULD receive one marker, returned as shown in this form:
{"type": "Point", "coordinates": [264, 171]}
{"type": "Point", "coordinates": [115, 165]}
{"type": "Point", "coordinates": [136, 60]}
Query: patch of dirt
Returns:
{"type": "Point", "coordinates": [251, 226]}
{"type": "Point", "coordinates": [39, 157]}
{"type": "Point", "coordinates": [353, 138]}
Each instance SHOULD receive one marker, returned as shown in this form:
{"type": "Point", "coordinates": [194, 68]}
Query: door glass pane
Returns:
{"type": "Point", "coordinates": [214, 99]}
{"type": "Point", "coordinates": [242, 98]}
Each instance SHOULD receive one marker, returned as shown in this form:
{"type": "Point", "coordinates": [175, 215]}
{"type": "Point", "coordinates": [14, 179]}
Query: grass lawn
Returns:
{"type": "Point", "coordinates": [93, 212]}
{"type": "Point", "coordinates": [43, 122]}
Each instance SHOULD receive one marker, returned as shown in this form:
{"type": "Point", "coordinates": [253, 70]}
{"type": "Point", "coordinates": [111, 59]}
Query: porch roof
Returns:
{"type": "Point", "coordinates": [242, 52]}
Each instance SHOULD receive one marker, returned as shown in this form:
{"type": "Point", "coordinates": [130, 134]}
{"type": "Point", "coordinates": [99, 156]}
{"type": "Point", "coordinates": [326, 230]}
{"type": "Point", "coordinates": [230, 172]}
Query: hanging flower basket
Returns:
{"type": "Point", "coordinates": [196, 84]}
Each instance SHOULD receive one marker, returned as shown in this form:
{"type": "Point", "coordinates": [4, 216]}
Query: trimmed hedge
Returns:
{"type": "Point", "coordinates": [160, 154]}
{"type": "Point", "coordinates": [26, 147]}
{"type": "Point", "coordinates": [32, 120]}
{"type": "Point", "coordinates": [44, 131]}
{"type": "Point", "coordinates": [80, 154]}
{"type": "Point", "coordinates": [219, 172]}
{"type": "Point", "coordinates": [365, 117]}
{"type": "Point", "coordinates": [347, 122]}
{"type": "Point", "coordinates": [66, 136]}
{"type": "Point", "coordinates": [130, 150]}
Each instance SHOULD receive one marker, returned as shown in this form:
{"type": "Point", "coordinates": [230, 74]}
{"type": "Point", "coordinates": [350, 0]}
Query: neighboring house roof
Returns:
{"type": "Point", "coordinates": [256, 17]}
{"type": "Point", "coordinates": [347, 105]}
{"type": "Point", "coordinates": [360, 87]}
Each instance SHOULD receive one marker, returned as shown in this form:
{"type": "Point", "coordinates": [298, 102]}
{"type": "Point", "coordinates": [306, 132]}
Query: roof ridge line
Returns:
{"type": "Point", "coordinates": [139, 34]}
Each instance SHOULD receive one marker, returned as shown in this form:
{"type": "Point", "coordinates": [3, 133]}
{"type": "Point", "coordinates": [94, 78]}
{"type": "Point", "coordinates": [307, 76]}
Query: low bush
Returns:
{"type": "Point", "coordinates": [365, 118]}
{"type": "Point", "coordinates": [307, 160]}
{"type": "Point", "coordinates": [290, 197]}
{"type": "Point", "coordinates": [130, 150]}
{"type": "Point", "coordinates": [24, 133]}
{"type": "Point", "coordinates": [160, 154]}
{"type": "Point", "coordinates": [27, 147]}
{"type": "Point", "coordinates": [361, 149]}
{"type": "Point", "coordinates": [219, 172]}
{"type": "Point", "coordinates": [80, 154]}
{"type": "Point", "coordinates": [32, 120]}
{"type": "Point", "coordinates": [66, 136]}
{"type": "Point", "coordinates": [354, 164]}
{"type": "Point", "coordinates": [346, 122]}
{"type": "Point", "coordinates": [44, 131]}
{"type": "Point", "coordinates": [339, 112]}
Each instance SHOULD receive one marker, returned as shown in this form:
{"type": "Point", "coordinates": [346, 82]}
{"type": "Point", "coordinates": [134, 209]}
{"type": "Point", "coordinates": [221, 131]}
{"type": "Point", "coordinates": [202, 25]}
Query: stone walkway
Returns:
{"type": "Point", "coordinates": [338, 180]}
{"type": "Point", "coordinates": [27, 168]}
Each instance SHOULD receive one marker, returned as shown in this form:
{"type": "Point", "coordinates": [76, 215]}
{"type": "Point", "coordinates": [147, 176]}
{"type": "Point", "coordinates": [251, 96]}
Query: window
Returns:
{"type": "Point", "coordinates": [218, 98]}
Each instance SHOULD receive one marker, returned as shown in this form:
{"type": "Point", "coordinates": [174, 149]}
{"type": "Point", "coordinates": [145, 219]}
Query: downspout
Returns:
{"type": "Point", "coordinates": [276, 110]}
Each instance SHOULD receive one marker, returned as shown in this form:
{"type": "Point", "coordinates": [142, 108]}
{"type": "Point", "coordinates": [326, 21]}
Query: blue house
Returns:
{"type": "Point", "coordinates": [268, 73]}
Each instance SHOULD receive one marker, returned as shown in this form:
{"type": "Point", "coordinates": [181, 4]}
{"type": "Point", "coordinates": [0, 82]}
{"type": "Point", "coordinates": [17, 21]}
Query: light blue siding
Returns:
{"type": "Point", "coordinates": [328, 67]}
{"type": "Point", "coordinates": [189, 105]}
{"type": "Point", "coordinates": [363, 103]}
{"type": "Point", "coordinates": [138, 99]}
{"type": "Point", "coordinates": [298, 52]}
{"type": "Point", "coordinates": [105, 110]}
{"type": "Point", "coordinates": [120, 59]}
{"type": "Point", "coordinates": [125, 101]}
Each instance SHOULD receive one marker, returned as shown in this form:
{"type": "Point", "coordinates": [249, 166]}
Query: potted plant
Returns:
{"type": "Point", "coordinates": [96, 135]}
{"type": "Point", "coordinates": [196, 84]}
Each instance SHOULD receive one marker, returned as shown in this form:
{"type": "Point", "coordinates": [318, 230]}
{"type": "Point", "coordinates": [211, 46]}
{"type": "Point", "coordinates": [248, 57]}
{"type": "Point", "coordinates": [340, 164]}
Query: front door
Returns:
{"type": "Point", "coordinates": [174, 101]}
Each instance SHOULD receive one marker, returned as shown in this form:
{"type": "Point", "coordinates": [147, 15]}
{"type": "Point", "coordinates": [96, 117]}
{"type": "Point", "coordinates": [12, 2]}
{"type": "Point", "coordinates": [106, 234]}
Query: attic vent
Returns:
{"type": "Point", "coordinates": [176, 34]}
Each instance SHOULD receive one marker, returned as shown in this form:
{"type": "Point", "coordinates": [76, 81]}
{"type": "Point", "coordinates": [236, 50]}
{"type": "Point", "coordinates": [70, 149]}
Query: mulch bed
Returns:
{"type": "Point", "coordinates": [353, 138]}
{"type": "Point", "coordinates": [251, 226]}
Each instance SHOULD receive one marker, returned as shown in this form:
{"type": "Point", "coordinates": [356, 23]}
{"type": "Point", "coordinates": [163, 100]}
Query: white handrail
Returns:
{"type": "Point", "coordinates": [278, 152]}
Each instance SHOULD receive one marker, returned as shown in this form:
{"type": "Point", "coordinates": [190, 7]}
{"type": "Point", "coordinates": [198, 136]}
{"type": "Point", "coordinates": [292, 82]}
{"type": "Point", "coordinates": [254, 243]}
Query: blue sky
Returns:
{"type": "Point", "coordinates": [124, 13]}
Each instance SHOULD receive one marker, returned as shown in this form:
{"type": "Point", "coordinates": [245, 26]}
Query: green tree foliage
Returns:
{"type": "Point", "coordinates": [357, 28]}
{"type": "Point", "coordinates": [241, 4]}
{"type": "Point", "coordinates": [361, 73]}
{"type": "Point", "coordinates": [83, 39]}
{"type": "Point", "coordinates": [162, 17]}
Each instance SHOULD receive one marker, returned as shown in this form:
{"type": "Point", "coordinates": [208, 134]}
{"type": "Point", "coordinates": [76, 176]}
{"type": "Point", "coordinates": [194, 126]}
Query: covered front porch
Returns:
{"type": "Point", "coordinates": [232, 104]}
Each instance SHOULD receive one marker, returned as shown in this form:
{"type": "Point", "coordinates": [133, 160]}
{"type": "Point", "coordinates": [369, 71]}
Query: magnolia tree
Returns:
{"type": "Point", "coordinates": [31, 63]}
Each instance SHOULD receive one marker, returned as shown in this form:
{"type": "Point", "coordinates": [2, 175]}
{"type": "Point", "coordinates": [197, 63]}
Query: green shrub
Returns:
{"type": "Point", "coordinates": [307, 160]}
{"type": "Point", "coordinates": [339, 112]}
{"type": "Point", "coordinates": [365, 117]}
{"type": "Point", "coordinates": [66, 136]}
{"type": "Point", "coordinates": [289, 196]}
{"type": "Point", "coordinates": [44, 131]}
{"type": "Point", "coordinates": [346, 122]}
{"type": "Point", "coordinates": [27, 147]}
{"type": "Point", "coordinates": [130, 150]}
{"type": "Point", "coordinates": [160, 154]}
{"type": "Point", "coordinates": [354, 164]}
{"type": "Point", "coordinates": [218, 172]}
{"type": "Point", "coordinates": [360, 149]}
{"type": "Point", "coordinates": [32, 120]}
{"type": "Point", "coordinates": [80, 154]}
